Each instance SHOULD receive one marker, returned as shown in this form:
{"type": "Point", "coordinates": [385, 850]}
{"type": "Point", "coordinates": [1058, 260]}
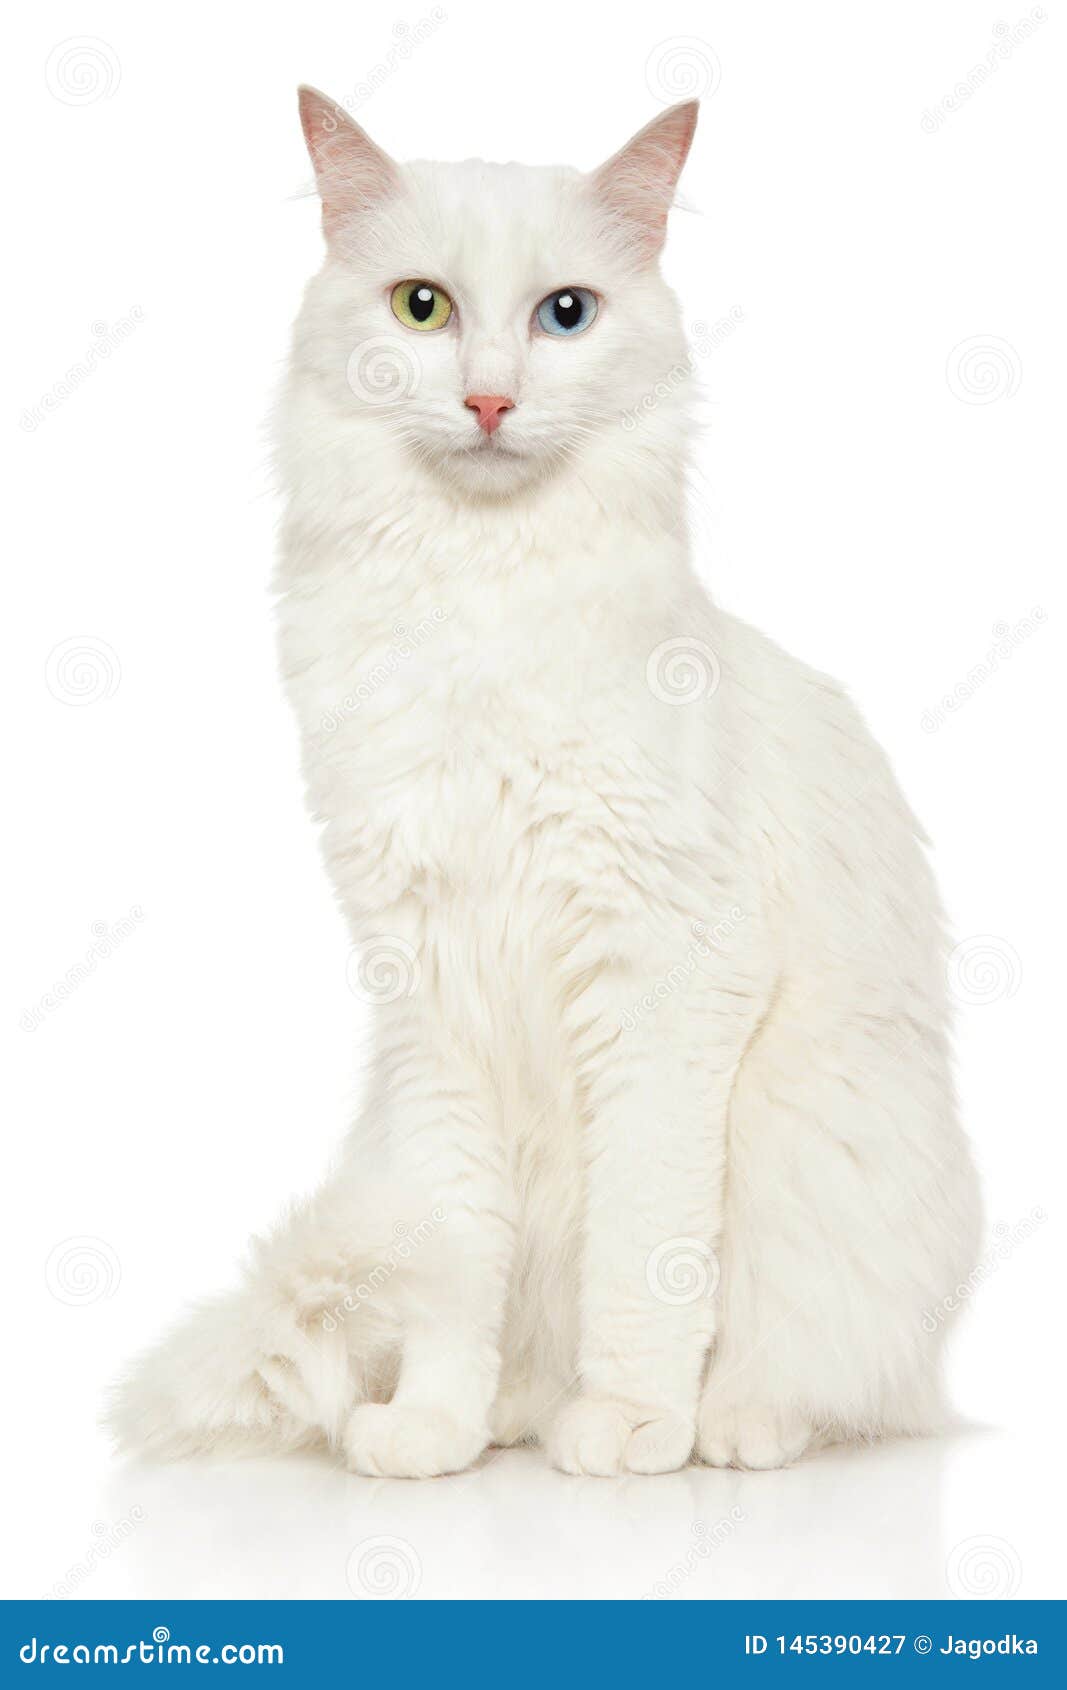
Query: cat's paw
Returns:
{"type": "Point", "coordinates": [607, 1438]}
{"type": "Point", "coordinates": [400, 1441]}
{"type": "Point", "coordinates": [755, 1438]}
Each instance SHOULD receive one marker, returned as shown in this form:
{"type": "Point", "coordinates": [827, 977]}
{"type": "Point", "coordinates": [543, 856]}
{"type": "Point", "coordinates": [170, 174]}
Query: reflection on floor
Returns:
{"type": "Point", "coordinates": [900, 1520]}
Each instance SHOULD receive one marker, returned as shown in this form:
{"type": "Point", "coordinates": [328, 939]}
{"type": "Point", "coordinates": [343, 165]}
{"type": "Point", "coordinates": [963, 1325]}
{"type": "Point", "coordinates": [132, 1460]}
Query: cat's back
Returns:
{"type": "Point", "coordinates": [848, 882]}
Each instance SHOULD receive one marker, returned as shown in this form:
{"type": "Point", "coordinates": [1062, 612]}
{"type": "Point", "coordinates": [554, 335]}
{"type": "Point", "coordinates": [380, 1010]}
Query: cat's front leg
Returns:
{"type": "Point", "coordinates": [656, 1085]}
{"type": "Point", "coordinates": [445, 1137]}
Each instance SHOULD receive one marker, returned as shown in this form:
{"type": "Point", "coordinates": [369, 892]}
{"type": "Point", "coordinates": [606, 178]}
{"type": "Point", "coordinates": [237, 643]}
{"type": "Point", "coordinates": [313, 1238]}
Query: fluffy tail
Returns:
{"type": "Point", "coordinates": [313, 1328]}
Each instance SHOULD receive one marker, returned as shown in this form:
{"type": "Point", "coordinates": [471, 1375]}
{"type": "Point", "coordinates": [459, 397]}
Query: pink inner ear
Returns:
{"type": "Point", "coordinates": [350, 170]}
{"type": "Point", "coordinates": [638, 183]}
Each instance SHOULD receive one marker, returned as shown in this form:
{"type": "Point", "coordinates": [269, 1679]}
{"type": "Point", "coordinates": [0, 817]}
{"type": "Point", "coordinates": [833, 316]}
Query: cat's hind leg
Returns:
{"type": "Point", "coordinates": [850, 1211]}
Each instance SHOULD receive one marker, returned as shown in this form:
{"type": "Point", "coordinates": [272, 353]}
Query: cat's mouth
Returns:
{"type": "Point", "coordinates": [495, 463]}
{"type": "Point", "coordinates": [489, 454]}
{"type": "Point", "coordinates": [492, 445]}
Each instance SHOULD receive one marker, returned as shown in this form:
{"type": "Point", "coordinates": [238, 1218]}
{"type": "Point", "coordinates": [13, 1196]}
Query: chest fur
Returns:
{"type": "Point", "coordinates": [456, 720]}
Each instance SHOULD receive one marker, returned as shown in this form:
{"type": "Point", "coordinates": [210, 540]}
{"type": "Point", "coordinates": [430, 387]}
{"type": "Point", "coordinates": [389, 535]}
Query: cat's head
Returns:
{"type": "Point", "coordinates": [494, 321]}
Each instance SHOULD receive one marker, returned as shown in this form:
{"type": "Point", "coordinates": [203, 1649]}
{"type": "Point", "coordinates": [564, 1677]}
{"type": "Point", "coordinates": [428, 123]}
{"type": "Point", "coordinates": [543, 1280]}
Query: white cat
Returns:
{"type": "Point", "coordinates": [659, 1154]}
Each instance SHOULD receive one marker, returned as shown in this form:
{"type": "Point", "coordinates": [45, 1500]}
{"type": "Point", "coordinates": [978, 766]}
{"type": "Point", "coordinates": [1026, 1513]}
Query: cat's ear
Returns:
{"type": "Point", "coordinates": [351, 172]}
{"type": "Point", "coordinates": [638, 182]}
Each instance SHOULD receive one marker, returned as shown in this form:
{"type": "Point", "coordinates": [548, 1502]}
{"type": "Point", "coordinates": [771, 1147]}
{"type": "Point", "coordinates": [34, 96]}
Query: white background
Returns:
{"type": "Point", "coordinates": [862, 495]}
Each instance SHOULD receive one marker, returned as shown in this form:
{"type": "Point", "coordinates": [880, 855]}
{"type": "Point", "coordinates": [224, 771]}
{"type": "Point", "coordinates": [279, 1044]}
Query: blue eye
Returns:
{"type": "Point", "coordinates": [567, 312]}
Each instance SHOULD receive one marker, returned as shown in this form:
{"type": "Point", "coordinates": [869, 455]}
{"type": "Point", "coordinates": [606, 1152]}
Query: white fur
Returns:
{"type": "Point", "coordinates": [586, 1089]}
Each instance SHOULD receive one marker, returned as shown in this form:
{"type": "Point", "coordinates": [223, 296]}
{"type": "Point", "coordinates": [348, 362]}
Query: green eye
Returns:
{"type": "Point", "coordinates": [419, 305]}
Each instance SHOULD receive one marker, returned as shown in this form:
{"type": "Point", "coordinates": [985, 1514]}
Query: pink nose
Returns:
{"type": "Point", "coordinates": [490, 408]}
